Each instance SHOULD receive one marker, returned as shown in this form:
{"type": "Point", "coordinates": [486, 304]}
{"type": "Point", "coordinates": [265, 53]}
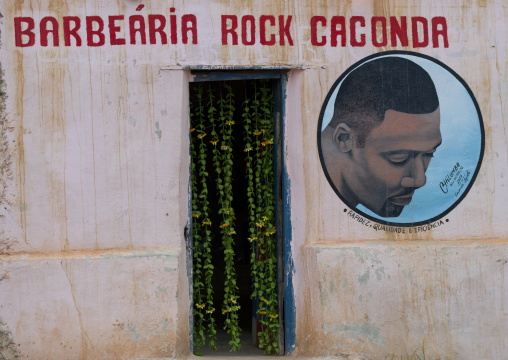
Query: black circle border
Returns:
{"type": "Point", "coordinates": [471, 95]}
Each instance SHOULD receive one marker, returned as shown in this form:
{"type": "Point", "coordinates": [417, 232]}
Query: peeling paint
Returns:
{"type": "Point", "coordinates": [6, 157]}
{"type": "Point", "coordinates": [409, 275]}
{"type": "Point", "coordinates": [166, 325]}
{"type": "Point", "coordinates": [154, 336]}
{"type": "Point", "coordinates": [5, 128]}
{"type": "Point", "coordinates": [420, 296]}
{"type": "Point", "coordinates": [367, 254]}
{"type": "Point", "coordinates": [357, 332]}
{"type": "Point", "coordinates": [380, 273]}
{"type": "Point", "coordinates": [157, 130]}
{"type": "Point", "coordinates": [363, 279]}
{"type": "Point", "coordinates": [132, 121]}
{"type": "Point", "coordinates": [95, 180]}
{"type": "Point", "coordinates": [8, 348]}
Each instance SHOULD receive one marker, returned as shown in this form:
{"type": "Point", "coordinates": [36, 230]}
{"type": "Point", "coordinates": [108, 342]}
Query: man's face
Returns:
{"type": "Point", "coordinates": [393, 163]}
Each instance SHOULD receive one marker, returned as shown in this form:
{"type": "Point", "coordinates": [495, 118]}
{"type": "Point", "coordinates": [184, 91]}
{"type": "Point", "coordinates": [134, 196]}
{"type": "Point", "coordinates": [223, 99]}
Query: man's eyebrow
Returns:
{"type": "Point", "coordinates": [404, 151]}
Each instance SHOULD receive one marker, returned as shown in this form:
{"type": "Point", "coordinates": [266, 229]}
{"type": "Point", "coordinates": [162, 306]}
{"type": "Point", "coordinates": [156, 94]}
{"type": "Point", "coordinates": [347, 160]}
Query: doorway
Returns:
{"type": "Point", "coordinates": [236, 199]}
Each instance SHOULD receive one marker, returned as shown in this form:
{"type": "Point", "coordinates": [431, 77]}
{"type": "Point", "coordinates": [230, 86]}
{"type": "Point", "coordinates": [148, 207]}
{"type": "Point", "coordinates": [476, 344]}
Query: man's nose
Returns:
{"type": "Point", "coordinates": [416, 178]}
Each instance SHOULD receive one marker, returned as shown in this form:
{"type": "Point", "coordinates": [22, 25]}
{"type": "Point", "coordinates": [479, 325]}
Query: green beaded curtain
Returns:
{"type": "Point", "coordinates": [214, 137]}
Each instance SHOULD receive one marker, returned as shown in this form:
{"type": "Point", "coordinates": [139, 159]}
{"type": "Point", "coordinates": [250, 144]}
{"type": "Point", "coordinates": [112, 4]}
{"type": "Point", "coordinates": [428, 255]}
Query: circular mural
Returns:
{"type": "Point", "coordinates": [400, 138]}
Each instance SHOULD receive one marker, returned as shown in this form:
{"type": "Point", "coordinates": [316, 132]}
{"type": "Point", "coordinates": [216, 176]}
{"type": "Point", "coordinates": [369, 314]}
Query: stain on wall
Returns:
{"type": "Point", "coordinates": [8, 348]}
{"type": "Point", "coordinates": [7, 146]}
{"type": "Point", "coordinates": [80, 313]}
{"type": "Point", "coordinates": [94, 157]}
{"type": "Point", "coordinates": [387, 298]}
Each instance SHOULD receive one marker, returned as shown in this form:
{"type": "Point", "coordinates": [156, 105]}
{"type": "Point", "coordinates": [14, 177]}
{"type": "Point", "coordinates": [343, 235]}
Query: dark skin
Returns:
{"type": "Point", "coordinates": [383, 174]}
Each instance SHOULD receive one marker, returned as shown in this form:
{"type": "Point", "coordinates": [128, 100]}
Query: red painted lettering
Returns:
{"type": "Point", "coordinates": [338, 20]}
{"type": "Point", "coordinates": [313, 30]}
{"type": "Point", "coordinates": [133, 19]}
{"type": "Point", "coordinates": [114, 29]}
{"type": "Point", "coordinates": [398, 31]}
{"type": "Point", "coordinates": [18, 32]}
{"type": "Point", "coordinates": [153, 29]}
{"type": "Point", "coordinates": [90, 32]}
{"type": "Point", "coordinates": [284, 30]}
{"type": "Point", "coordinates": [245, 19]}
{"type": "Point", "coordinates": [352, 30]}
{"type": "Point", "coordinates": [68, 32]}
{"type": "Point", "coordinates": [262, 29]}
{"type": "Point", "coordinates": [232, 30]}
{"type": "Point", "coordinates": [439, 20]}
{"type": "Point", "coordinates": [373, 26]}
{"type": "Point", "coordinates": [193, 28]}
{"type": "Point", "coordinates": [45, 31]}
{"type": "Point", "coordinates": [414, 27]}
{"type": "Point", "coordinates": [172, 26]}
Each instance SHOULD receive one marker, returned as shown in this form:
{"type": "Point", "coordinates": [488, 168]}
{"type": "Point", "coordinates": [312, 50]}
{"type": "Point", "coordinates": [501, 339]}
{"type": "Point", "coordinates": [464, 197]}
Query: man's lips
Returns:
{"type": "Point", "coordinates": [402, 200]}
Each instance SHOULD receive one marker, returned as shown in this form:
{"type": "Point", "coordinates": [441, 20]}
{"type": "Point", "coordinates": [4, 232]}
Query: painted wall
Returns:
{"type": "Point", "coordinates": [94, 188]}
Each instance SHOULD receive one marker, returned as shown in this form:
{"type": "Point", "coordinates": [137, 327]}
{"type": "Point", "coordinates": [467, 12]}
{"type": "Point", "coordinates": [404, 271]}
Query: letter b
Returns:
{"type": "Point", "coordinates": [18, 33]}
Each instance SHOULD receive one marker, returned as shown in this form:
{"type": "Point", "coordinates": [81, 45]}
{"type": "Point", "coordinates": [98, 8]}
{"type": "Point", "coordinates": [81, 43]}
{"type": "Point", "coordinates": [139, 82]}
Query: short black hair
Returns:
{"type": "Point", "coordinates": [385, 83]}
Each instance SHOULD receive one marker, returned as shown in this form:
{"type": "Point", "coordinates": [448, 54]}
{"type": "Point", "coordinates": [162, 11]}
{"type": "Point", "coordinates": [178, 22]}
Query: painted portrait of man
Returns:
{"type": "Point", "coordinates": [383, 134]}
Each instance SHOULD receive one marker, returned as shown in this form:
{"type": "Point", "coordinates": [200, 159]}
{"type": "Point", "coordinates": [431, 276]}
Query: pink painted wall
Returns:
{"type": "Point", "coordinates": [94, 191]}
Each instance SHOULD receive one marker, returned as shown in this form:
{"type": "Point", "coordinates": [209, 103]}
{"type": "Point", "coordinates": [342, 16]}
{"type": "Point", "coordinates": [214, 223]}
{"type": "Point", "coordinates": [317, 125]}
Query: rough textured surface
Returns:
{"type": "Point", "coordinates": [8, 348]}
{"type": "Point", "coordinates": [392, 297]}
{"type": "Point", "coordinates": [479, 55]}
{"type": "Point", "coordinates": [109, 304]}
{"type": "Point", "coordinates": [94, 158]}
{"type": "Point", "coordinates": [6, 155]}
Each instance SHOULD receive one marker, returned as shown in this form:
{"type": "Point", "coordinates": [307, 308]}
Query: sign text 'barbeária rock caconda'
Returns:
{"type": "Point", "coordinates": [246, 30]}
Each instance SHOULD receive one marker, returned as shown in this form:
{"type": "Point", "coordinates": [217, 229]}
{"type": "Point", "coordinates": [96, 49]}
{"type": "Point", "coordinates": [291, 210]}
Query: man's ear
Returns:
{"type": "Point", "coordinates": [342, 138]}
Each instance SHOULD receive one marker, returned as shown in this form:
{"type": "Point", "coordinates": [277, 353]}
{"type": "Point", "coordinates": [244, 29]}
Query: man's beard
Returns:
{"type": "Point", "coordinates": [389, 209]}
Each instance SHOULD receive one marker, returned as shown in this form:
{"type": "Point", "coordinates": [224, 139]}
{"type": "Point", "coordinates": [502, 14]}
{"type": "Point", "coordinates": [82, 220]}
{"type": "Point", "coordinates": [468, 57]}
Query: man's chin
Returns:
{"type": "Point", "coordinates": [389, 209]}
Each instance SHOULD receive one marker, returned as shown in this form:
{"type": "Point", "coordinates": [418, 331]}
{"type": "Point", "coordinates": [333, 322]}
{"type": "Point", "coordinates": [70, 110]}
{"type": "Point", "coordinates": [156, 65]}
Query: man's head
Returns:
{"type": "Point", "coordinates": [383, 132]}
